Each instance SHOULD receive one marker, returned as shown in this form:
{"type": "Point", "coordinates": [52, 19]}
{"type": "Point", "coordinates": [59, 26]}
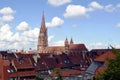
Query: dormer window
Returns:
{"type": "Point", "coordinates": [35, 64]}
{"type": "Point", "coordinates": [21, 60]}
{"type": "Point", "coordinates": [10, 71]}
{"type": "Point", "coordinates": [67, 61]}
{"type": "Point", "coordinates": [43, 62]}
{"type": "Point", "coordinates": [86, 61]}
{"type": "Point", "coordinates": [57, 61]}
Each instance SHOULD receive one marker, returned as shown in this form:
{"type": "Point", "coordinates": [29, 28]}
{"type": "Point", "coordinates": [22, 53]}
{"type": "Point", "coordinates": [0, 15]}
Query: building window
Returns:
{"type": "Point", "coordinates": [86, 61]}
{"type": "Point", "coordinates": [67, 61]}
{"type": "Point", "coordinates": [81, 60]}
{"type": "Point", "coordinates": [35, 64]}
{"type": "Point", "coordinates": [10, 71]}
{"type": "Point", "coordinates": [13, 78]}
{"type": "Point", "coordinates": [57, 61]}
{"type": "Point", "coordinates": [81, 65]}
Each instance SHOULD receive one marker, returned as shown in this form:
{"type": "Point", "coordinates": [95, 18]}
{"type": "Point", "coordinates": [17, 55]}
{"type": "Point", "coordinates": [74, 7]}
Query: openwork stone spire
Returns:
{"type": "Point", "coordinates": [43, 37]}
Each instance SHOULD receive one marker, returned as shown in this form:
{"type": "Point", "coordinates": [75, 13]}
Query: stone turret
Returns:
{"type": "Point", "coordinates": [66, 45]}
{"type": "Point", "coordinates": [71, 41]}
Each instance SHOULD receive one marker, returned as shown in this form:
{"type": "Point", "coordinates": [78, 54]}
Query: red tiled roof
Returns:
{"type": "Point", "coordinates": [5, 73]}
{"type": "Point", "coordinates": [17, 74]}
{"type": "Point", "coordinates": [99, 71]}
{"type": "Point", "coordinates": [103, 57]}
{"type": "Point", "coordinates": [23, 73]}
{"type": "Point", "coordinates": [77, 47]}
{"type": "Point", "coordinates": [6, 62]}
{"type": "Point", "coordinates": [24, 55]}
{"type": "Point", "coordinates": [49, 62]}
{"type": "Point", "coordinates": [59, 49]}
{"type": "Point", "coordinates": [55, 48]}
{"type": "Point", "coordinates": [41, 64]}
{"type": "Point", "coordinates": [23, 65]}
{"type": "Point", "coordinates": [76, 58]}
{"type": "Point", "coordinates": [61, 63]}
{"type": "Point", "coordinates": [66, 73]}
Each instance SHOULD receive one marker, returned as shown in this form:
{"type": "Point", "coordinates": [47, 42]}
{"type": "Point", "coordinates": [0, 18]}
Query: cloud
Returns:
{"type": "Point", "coordinates": [118, 5]}
{"type": "Point", "coordinates": [50, 38]}
{"type": "Point", "coordinates": [97, 45]}
{"type": "Point", "coordinates": [56, 22]}
{"type": "Point", "coordinates": [17, 40]}
{"type": "Point", "coordinates": [100, 45]}
{"type": "Point", "coordinates": [23, 26]}
{"type": "Point", "coordinates": [7, 11]}
{"type": "Point", "coordinates": [58, 43]}
{"type": "Point", "coordinates": [110, 8]}
{"type": "Point", "coordinates": [118, 25]}
{"type": "Point", "coordinates": [30, 34]}
{"type": "Point", "coordinates": [75, 11]}
{"type": "Point", "coordinates": [74, 25]}
{"type": "Point", "coordinates": [16, 37]}
{"type": "Point", "coordinates": [78, 11]}
{"type": "Point", "coordinates": [7, 18]}
{"type": "Point", "coordinates": [26, 39]}
{"type": "Point", "coordinates": [117, 46]}
{"type": "Point", "coordinates": [58, 2]}
{"type": "Point", "coordinates": [5, 32]}
{"type": "Point", "coordinates": [95, 5]}
{"type": "Point", "coordinates": [6, 15]}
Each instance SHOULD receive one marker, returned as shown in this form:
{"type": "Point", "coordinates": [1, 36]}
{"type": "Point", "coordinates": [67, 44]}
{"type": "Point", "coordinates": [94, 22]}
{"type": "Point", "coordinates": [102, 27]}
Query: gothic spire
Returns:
{"type": "Point", "coordinates": [66, 41]}
{"type": "Point", "coordinates": [43, 26]}
{"type": "Point", "coordinates": [43, 37]}
{"type": "Point", "coordinates": [71, 41]}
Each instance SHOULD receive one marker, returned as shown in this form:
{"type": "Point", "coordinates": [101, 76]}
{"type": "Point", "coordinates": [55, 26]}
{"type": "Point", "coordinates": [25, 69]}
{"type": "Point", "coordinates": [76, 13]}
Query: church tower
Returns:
{"type": "Point", "coordinates": [71, 41]}
{"type": "Point", "coordinates": [66, 45]}
{"type": "Point", "coordinates": [43, 37]}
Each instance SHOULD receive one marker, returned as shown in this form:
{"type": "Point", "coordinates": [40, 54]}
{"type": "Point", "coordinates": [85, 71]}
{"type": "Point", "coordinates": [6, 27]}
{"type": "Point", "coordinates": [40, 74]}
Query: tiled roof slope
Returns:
{"type": "Point", "coordinates": [103, 57]}
{"type": "Point", "coordinates": [22, 63]}
{"type": "Point", "coordinates": [78, 47]}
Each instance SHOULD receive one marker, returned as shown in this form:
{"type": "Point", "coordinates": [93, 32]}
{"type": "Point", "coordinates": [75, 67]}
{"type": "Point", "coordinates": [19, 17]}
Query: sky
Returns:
{"type": "Point", "coordinates": [95, 23]}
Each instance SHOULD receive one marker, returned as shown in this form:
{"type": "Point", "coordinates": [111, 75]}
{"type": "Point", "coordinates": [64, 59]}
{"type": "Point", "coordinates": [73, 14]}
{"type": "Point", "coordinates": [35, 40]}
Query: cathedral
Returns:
{"type": "Point", "coordinates": [69, 47]}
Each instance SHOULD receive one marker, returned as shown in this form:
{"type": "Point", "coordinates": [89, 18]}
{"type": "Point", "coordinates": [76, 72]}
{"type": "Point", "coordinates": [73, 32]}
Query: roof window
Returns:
{"type": "Point", "coordinates": [10, 71]}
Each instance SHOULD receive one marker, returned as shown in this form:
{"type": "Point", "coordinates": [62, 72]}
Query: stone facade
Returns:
{"type": "Point", "coordinates": [68, 47]}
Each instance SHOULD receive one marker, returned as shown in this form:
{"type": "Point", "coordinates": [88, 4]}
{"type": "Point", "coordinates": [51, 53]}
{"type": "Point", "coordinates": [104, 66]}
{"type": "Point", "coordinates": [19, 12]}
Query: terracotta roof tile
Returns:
{"type": "Point", "coordinates": [23, 63]}
{"type": "Point", "coordinates": [66, 73]}
{"type": "Point", "coordinates": [26, 73]}
{"type": "Point", "coordinates": [55, 48]}
{"type": "Point", "coordinates": [103, 57]}
{"type": "Point", "coordinates": [99, 71]}
{"type": "Point", "coordinates": [23, 73]}
{"type": "Point", "coordinates": [77, 47]}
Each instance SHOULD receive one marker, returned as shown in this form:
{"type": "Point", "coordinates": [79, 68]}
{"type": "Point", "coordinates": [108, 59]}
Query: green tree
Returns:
{"type": "Point", "coordinates": [113, 68]}
{"type": "Point", "coordinates": [38, 78]}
